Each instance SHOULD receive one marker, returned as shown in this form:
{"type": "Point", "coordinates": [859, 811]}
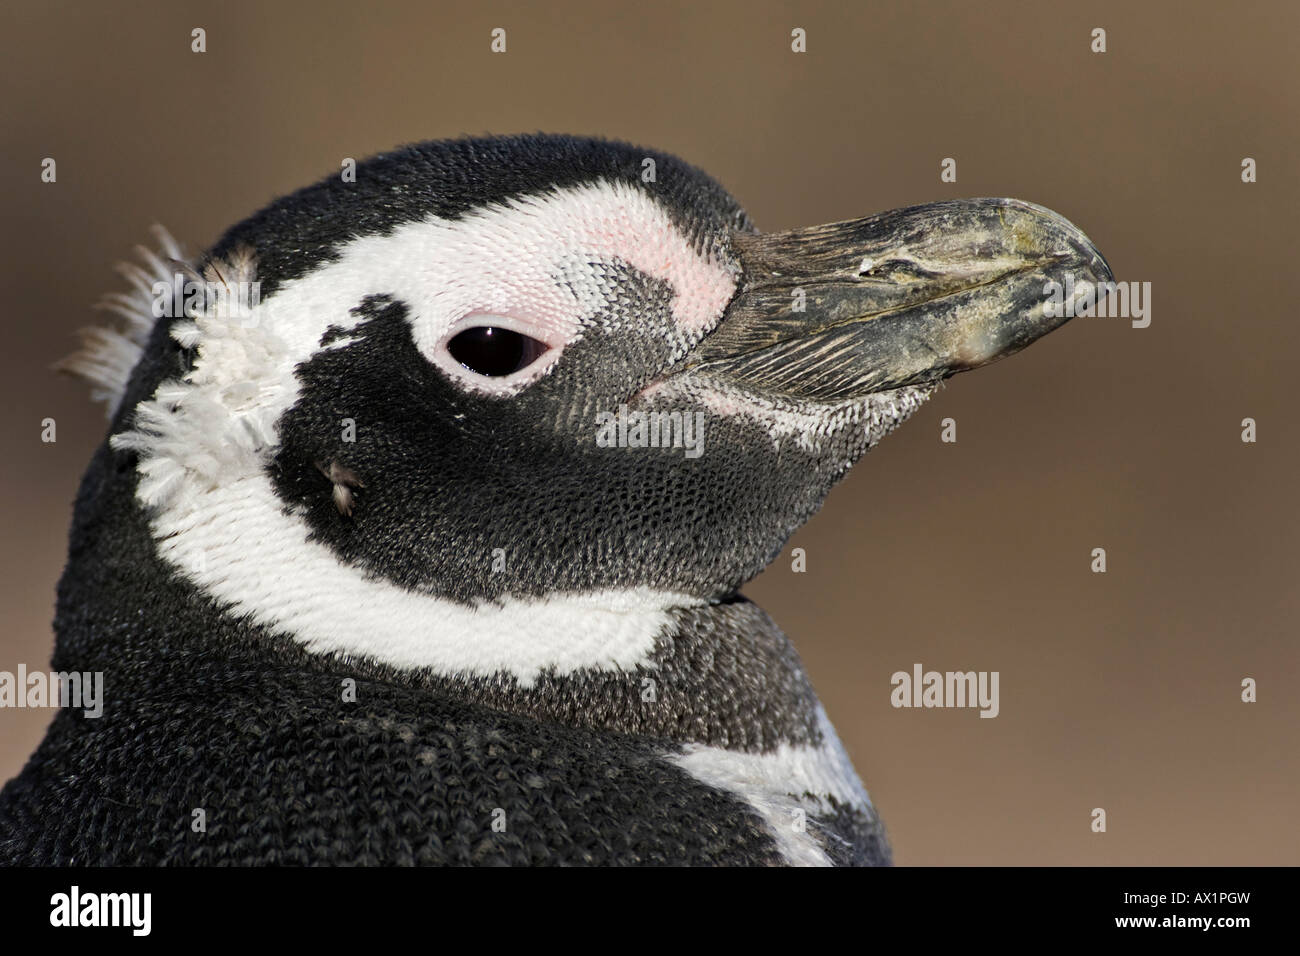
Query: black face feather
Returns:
{"type": "Point", "coordinates": [472, 496]}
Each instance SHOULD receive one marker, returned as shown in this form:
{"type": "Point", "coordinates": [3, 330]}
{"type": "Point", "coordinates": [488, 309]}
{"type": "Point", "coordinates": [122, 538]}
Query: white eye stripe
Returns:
{"type": "Point", "coordinates": [500, 261]}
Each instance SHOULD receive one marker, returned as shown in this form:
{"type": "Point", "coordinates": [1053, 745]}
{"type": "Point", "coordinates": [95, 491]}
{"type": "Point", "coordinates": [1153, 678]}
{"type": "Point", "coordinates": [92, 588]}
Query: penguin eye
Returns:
{"type": "Point", "coordinates": [494, 351]}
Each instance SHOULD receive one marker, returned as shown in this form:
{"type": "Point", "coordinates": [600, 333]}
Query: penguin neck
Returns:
{"type": "Point", "coordinates": [722, 675]}
{"type": "Point", "coordinates": [719, 674]}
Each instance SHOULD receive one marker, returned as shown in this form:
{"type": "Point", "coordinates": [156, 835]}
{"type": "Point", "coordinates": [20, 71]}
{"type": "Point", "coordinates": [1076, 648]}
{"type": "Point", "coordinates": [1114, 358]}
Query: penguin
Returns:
{"type": "Point", "coordinates": [418, 533]}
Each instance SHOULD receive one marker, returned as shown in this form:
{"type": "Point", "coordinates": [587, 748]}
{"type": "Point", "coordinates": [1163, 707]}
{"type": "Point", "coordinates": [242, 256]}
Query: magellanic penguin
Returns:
{"type": "Point", "coordinates": [372, 578]}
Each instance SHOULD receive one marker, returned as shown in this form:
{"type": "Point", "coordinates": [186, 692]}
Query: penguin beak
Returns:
{"type": "Point", "coordinates": [907, 297]}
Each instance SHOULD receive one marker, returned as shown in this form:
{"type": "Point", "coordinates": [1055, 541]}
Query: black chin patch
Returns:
{"type": "Point", "coordinates": [473, 497]}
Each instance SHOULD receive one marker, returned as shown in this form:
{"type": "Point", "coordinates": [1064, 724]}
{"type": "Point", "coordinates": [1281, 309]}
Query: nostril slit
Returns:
{"type": "Point", "coordinates": [881, 268]}
{"type": "Point", "coordinates": [894, 270]}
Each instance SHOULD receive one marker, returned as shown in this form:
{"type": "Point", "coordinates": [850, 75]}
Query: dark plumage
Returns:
{"type": "Point", "coordinates": [461, 630]}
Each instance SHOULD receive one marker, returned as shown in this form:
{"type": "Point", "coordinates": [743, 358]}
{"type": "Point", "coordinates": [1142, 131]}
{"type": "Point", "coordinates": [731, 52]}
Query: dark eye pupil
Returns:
{"type": "Point", "coordinates": [493, 351]}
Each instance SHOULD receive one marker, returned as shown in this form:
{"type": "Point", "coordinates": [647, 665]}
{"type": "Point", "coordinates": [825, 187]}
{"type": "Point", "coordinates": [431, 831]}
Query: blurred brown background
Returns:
{"type": "Point", "coordinates": [1118, 690]}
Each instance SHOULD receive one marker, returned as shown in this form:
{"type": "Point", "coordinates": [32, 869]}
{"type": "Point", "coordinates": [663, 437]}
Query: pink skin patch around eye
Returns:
{"type": "Point", "coordinates": [499, 266]}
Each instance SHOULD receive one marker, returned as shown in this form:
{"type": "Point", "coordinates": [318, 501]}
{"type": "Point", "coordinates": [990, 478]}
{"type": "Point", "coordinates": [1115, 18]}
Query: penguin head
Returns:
{"type": "Point", "coordinates": [510, 367]}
